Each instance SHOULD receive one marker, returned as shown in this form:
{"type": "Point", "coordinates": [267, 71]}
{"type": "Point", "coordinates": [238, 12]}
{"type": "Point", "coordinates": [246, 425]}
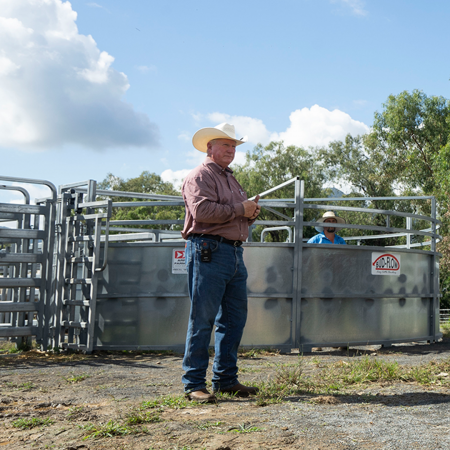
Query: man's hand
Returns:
{"type": "Point", "coordinates": [251, 208]}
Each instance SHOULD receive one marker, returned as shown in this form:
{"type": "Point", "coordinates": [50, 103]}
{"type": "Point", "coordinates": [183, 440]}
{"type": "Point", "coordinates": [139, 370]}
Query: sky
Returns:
{"type": "Point", "coordinates": [90, 88]}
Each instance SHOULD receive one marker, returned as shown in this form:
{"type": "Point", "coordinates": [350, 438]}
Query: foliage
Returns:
{"type": "Point", "coordinates": [147, 183]}
{"type": "Point", "coordinates": [411, 133]}
{"type": "Point", "coordinates": [270, 166]}
{"type": "Point", "coordinates": [25, 424]}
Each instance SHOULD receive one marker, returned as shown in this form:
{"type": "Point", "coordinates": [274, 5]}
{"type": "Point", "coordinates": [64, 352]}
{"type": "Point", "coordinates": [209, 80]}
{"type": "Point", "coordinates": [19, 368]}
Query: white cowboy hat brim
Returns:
{"type": "Point", "coordinates": [338, 219]}
{"type": "Point", "coordinates": [203, 136]}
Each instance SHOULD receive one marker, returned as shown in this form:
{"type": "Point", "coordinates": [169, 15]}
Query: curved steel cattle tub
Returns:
{"type": "Point", "coordinates": [300, 295]}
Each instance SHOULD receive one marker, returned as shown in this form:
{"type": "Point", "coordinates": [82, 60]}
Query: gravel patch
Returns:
{"type": "Point", "coordinates": [77, 391]}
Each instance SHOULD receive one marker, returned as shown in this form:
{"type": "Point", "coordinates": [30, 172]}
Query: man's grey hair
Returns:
{"type": "Point", "coordinates": [212, 142]}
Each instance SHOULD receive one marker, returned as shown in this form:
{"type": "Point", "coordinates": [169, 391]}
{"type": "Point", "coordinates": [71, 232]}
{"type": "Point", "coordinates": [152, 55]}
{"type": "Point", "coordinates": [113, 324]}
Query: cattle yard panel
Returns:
{"type": "Point", "coordinates": [128, 290]}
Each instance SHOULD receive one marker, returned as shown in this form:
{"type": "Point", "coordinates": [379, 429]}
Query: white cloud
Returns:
{"type": "Point", "coordinates": [184, 137]}
{"type": "Point", "coordinates": [57, 87]}
{"type": "Point", "coordinates": [175, 177]}
{"type": "Point", "coordinates": [309, 127]}
{"type": "Point", "coordinates": [317, 126]}
{"type": "Point", "coordinates": [254, 129]}
{"type": "Point", "coordinates": [356, 6]}
{"type": "Point", "coordinates": [146, 69]}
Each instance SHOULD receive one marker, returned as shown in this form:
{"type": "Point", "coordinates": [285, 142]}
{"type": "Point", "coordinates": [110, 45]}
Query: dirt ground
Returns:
{"type": "Point", "coordinates": [72, 396]}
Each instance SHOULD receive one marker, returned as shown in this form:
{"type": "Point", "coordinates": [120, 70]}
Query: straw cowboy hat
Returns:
{"type": "Point", "coordinates": [331, 215]}
{"type": "Point", "coordinates": [223, 131]}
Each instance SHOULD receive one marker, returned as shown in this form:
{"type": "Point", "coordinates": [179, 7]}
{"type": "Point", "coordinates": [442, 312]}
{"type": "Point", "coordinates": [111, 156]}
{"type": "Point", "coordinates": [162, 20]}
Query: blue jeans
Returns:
{"type": "Point", "coordinates": [218, 292]}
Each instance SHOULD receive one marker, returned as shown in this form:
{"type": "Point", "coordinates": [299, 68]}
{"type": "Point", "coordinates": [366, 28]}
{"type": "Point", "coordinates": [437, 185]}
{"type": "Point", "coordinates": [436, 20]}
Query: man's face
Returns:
{"type": "Point", "coordinates": [222, 151]}
{"type": "Point", "coordinates": [330, 229]}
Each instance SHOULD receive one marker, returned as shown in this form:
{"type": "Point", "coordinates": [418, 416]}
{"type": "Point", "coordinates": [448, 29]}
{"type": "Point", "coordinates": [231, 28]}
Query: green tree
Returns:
{"type": "Point", "coordinates": [270, 166]}
{"type": "Point", "coordinates": [147, 183]}
{"type": "Point", "coordinates": [410, 133]}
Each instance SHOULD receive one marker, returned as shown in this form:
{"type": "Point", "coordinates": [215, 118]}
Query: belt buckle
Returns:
{"type": "Point", "coordinates": [236, 243]}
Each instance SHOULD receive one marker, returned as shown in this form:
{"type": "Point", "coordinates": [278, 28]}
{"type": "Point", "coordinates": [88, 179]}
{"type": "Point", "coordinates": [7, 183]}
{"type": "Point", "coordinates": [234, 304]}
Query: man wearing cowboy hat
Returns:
{"type": "Point", "coordinates": [328, 235]}
{"type": "Point", "coordinates": [218, 215]}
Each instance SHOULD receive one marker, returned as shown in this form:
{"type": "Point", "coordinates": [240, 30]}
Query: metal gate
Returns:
{"type": "Point", "coordinates": [26, 253]}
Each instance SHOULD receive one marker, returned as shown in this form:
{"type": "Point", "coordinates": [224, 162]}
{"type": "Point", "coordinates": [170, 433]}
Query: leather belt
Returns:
{"type": "Point", "coordinates": [217, 238]}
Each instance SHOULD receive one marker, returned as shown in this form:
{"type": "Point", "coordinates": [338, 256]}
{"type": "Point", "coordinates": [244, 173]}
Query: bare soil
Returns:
{"type": "Point", "coordinates": [78, 391]}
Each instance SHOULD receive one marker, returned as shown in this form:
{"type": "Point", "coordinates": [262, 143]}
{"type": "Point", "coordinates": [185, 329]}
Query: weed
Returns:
{"type": "Point", "coordinates": [249, 370]}
{"type": "Point", "coordinates": [74, 412]}
{"type": "Point", "coordinates": [244, 428]}
{"type": "Point", "coordinates": [171, 401]}
{"type": "Point", "coordinates": [137, 416]}
{"type": "Point", "coordinates": [109, 429]}
{"type": "Point", "coordinates": [207, 425]}
{"type": "Point", "coordinates": [77, 378]}
{"type": "Point", "coordinates": [445, 329]}
{"type": "Point", "coordinates": [25, 424]}
{"type": "Point", "coordinates": [22, 386]}
{"type": "Point", "coordinates": [257, 352]}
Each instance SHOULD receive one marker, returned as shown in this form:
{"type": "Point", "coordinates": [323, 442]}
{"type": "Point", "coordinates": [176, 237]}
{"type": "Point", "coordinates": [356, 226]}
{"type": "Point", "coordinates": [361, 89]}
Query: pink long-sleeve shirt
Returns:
{"type": "Point", "coordinates": [213, 200]}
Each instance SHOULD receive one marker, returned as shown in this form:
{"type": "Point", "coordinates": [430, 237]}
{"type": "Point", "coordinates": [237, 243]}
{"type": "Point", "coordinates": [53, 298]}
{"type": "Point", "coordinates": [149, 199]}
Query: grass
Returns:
{"type": "Point", "coordinates": [137, 417]}
{"type": "Point", "coordinates": [109, 429]}
{"type": "Point", "coordinates": [208, 425]}
{"type": "Point", "coordinates": [25, 424]}
{"type": "Point", "coordinates": [336, 378]}
{"type": "Point", "coordinates": [445, 329]}
{"type": "Point", "coordinates": [170, 401]}
{"type": "Point", "coordinates": [256, 352]}
{"type": "Point", "coordinates": [76, 378]}
{"type": "Point", "coordinates": [21, 386]}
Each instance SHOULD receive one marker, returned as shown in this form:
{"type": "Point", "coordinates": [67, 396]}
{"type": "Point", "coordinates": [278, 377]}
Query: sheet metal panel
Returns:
{"type": "Point", "coordinates": [345, 271]}
{"type": "Point", "coordinates": [142, 303]}
{"type": "Point", "coordinates": [359, 320]}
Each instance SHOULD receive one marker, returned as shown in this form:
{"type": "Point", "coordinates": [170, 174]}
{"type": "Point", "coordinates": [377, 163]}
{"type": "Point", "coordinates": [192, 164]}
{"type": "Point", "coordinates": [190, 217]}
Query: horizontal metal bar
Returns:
{"type": "Point", "coordinates": [17, 331]}
{"type": "Point", "coordinates": [71, 324]}
{"type": "Point", "coordinates": [373, 228]}
{"type": "Point", "coordinates": [372, 211]}
{"type": "Point", "coordinates": [108, 193]}
{"type": "Point", "coordinates": [87, 217]}
{"type": "Point", "coordinates": [23, 209]}
{"type": "Point", "coordinates": [80, 259]}
{"type": "Point", "coordinates": [128, 237]}
{"type": "Point", "coordinates": [15, 233]}
{"type": "Point", "coordinates": [146, 222]}
{"type": "Point", "coordinates": [138, 204]}
{"type": "Point", "coordinates": [96, 204]}
{"type": "Point", "coordinates": [74, 346]}
{"type": "Point", "coordinates": [351, 199]}
{"type": "Point", "coordinates": [18, 306]}
{"type": "Point", "coordinates": [15, 258]}
{"type": "Point", "coordinates": [20, 282]}
{"type": "Point", "coordinates": [366, 296]}
{"type": "Point", "coordinates": [76, 303]}
{"type": "Point", "coordinates": [10, 217]}
{"type": "Point", "coordinates": [275, 223]}
{"type": "Point", "coordinates": [78, 280]}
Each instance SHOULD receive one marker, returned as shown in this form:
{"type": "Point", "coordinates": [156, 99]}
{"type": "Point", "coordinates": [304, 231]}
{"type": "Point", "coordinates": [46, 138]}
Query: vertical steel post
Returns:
{"type": "Point", "coordinates": [435, 275]}
{"type": "Point", "coordinates": [298, 259]}
{"type": "Point", "coordinates": [408, 235]}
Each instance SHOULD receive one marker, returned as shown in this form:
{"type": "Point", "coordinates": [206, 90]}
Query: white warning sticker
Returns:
{"type": "Point", "coordinates": [178, 261]}
{"type": "Point", "coordinates": [385, 264]}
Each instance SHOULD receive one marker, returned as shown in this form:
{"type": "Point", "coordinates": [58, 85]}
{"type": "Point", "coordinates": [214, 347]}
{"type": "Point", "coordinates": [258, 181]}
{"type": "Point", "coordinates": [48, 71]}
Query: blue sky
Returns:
{"type": "Point", "coordinates": [89, 88]}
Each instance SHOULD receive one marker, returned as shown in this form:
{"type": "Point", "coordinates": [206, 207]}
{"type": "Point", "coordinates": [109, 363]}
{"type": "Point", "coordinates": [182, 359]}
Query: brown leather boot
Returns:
{"type": "Point", "coordinates": [202, 396]}
{"type": "Point", "coordinates": [240, 390]}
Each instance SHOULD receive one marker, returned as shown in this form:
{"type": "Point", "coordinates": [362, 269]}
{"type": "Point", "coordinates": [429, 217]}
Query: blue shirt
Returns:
{"type": "Point", "coordinates": [322, 239]}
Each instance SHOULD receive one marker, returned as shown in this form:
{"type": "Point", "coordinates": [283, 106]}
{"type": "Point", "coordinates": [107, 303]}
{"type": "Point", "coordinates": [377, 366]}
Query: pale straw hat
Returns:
{"type": "Point", "coordinates": [223, 131]}
{"type": "Point", "coordinates": [331, 215]}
